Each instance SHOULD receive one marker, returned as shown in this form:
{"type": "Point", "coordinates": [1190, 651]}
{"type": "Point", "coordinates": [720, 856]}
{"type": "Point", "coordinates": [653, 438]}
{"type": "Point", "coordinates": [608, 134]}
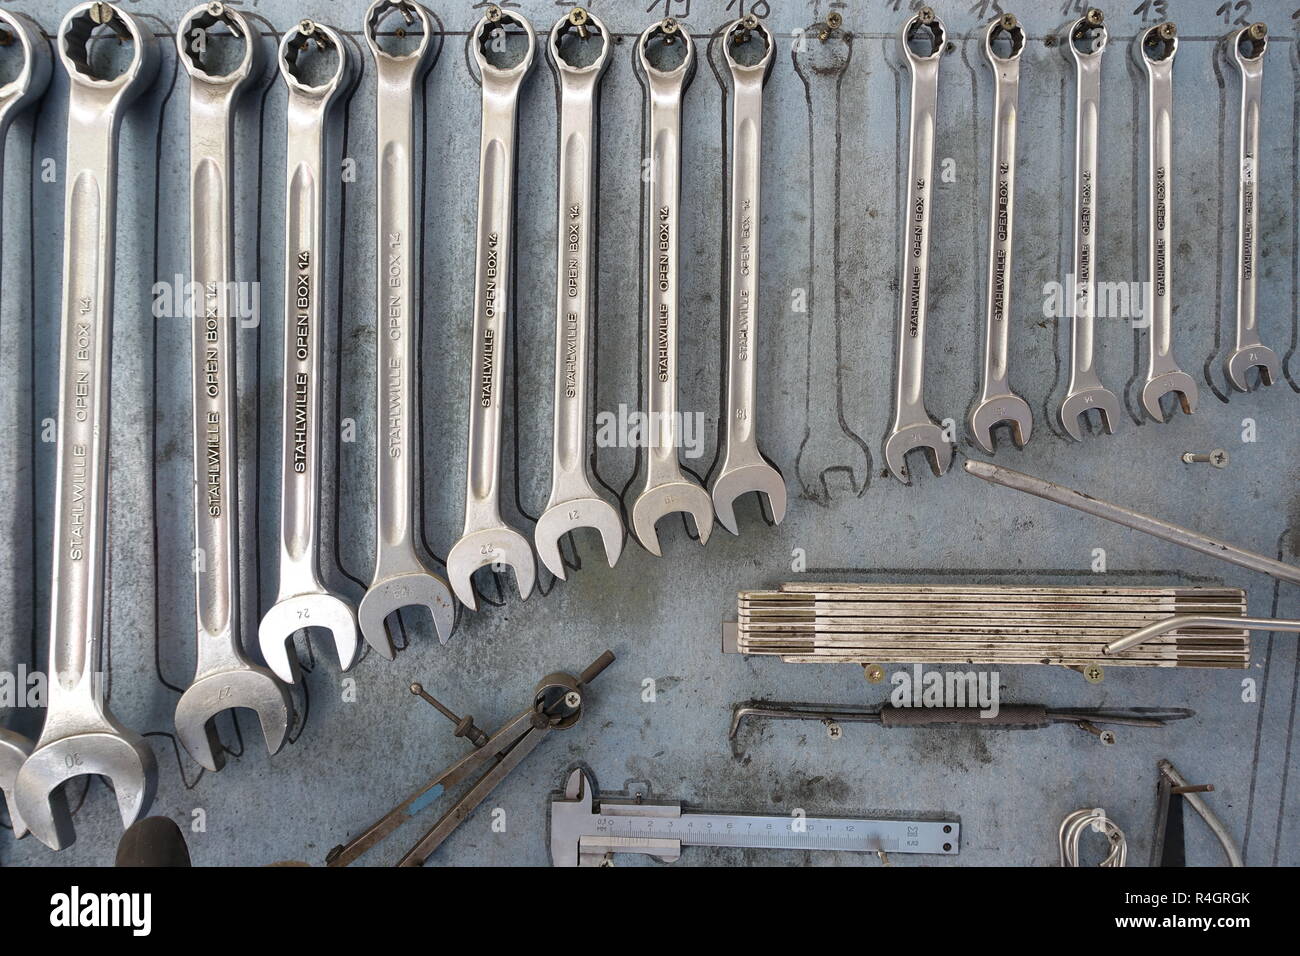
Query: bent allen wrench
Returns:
{"type": "Point", "coordinates": [18, 94]}
{"type": "Point", "coordinates": [303, 602]}
{"type": "Point", "coordinates": [912, 427]}
{"type": "Point", "coordinates": [486, 538]}
{"type": "Point", "coordinates": [1248, 46]}
{"type": "Point", "coordinates": [667, 489]}
{"type": "Point", "coordinates": [400, 578]}
{"type": "Point", "coordinates": [574, 501]}
{"type": "Point", "coordinates": [1086, 41]}
{"type": "Point", "coordinates": [1004, 41]}
{"type": "Point", "coordinates": [1154, 48]}
{"type": "Point", "coordinates": [80, 735]}
{"type": "Point", "coordinates": [744, 468]}
{"type": "Point", "coordinates": [224, 678]}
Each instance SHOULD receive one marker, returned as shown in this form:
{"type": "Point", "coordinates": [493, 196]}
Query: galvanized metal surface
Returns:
{"type": "Point", "coordinates": [366, 742]}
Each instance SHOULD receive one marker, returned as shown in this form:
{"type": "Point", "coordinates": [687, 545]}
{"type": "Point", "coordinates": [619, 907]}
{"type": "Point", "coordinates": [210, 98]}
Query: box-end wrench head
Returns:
{"type": "Point", "coordinates": [1085, 42]}
{"type": "Point", "coordinates": [574, 501]}
{"type": "Point", "coordinates": [302, 601]}
{"type": "Point", "coordinates": [744, 467]}
{"type": "Point", "coordinates": [913, 429]}
{"type": "Point", "coordinates": [1247, 47]}
{"type": "Point", "coordinates": [1004, 41]}
{"type": "Point", "coordinates": [22, 91]}
{"type": "Point", "coordinates": [401, 578]}
{"type": "Point", "coordinates": [1153, 50]}
{"type": "Point", "coordinates": [224, 678]}
{"type": "Point", "coordinates": [80, 735]}
{"type": "Point", "coordinates": [486, 539]}
{"type": "Point", "coordinates": [667, 489]}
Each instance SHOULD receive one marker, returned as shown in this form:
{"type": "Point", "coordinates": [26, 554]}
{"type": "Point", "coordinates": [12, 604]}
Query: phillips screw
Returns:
{"type": "Point", "coordinates": [1218, 458]}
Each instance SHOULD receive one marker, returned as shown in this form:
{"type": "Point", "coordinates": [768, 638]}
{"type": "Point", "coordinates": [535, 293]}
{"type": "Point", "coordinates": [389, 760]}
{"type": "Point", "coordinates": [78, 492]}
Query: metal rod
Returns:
{"type": "Point", "coordinates": [1133, 519]}
{"type": "Point", "coordinates": [1181, 621]}
{"type": "Point", "coordinates": [1201, 807]}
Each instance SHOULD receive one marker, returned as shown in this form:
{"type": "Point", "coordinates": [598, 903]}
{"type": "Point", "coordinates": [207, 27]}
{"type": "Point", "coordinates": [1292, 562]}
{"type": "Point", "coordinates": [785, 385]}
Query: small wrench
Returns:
{"type": "Point", "coordinates": [80, 735]}
{"type": "Point", "coordinates": [486, 538]}
{"type": "Point", "coordinates": [998, 402]}
{"type": "Point", "coordinates": [401, 578]}
{"type": "Point", "coordinates": [1086, 40]}
{"type": "Point", "coordinates": [15, 96]}
{"type": "Point", "coordinates": [574, 501]}
{"type": "Point", "coordinates": [667, 489]}
{"type": "Point", "coordinates": [913, 428]}
{"type": "Point", "coordinates": [302, 601]}
{"type": "Point", "coordinates": [1248, 45]}
{"type": "Point", "coordinates": [1154, 48]}
{"type": "Point", "coordinates": [224, 678]}
{"type": "Point", "coordinates": [744, 467]}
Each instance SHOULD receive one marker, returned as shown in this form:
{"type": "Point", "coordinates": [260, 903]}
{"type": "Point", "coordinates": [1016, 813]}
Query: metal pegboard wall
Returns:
{"type": "Point", "coordinates": [834, 163]}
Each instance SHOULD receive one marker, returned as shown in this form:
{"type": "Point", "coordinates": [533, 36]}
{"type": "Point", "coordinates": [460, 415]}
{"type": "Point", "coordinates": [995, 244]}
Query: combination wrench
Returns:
{"type": "Point", "coordinates": [667, 489]}
{"type": "Point", "coordinates": [80, 735]}
{"type": "Point", "coordinates": [1154, 49]}
{"type": "Point", "coordinates": [1248, 46]}
{"type": "Point", "coordinates": [1086, 40]}
{"type": "Point", "coordinates": [303, 602]}
{"type": "Point", "coordinates": [224, 677]}
{"type": "Point", "coordinates": [744, 467]}
{"type": "Point", "coordinates": [912, 427]}
{"type": "Point", "coordinates": [400, 578]}
{"type": "Point", "coordinates": [574, 501]}
{"type": "Point", "coordinates": [486, 538]}
{"type": "Point", "coordinates": [23, 91]}
{"type": "Point", "coordinates": [1004, 41]}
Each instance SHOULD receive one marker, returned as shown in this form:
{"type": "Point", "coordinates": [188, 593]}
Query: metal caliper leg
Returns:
{"type": "Point", "coordinates": [1004, 41]}
{"type": "Point", "coordinates": [1086, 41]}
{"type": "Point", "coordinates": [401, 578]}
{"type": "Point", "coordinates": [486, 538]}
{"type": "Point", "coordinates": [744, 467]}
{"type": "Point", "coordinates": [302, 601]}
{"type": "Point", "coordinates": [80, 735]}
{"type": "Point", "coordinates": [667, 489]}
{"type": "Point", "coordinates": [1247, 47]}
{"type": "Point", "coordinates": [912, 427]}
{"type": "Point", "coordinates": [574, 501]}
{"type": "Point", "coordinates": [224, 678]}
{"type": "Point", "coordinates": [18, 94]}
{"type": "Point", "coordinates": [1154, 49]}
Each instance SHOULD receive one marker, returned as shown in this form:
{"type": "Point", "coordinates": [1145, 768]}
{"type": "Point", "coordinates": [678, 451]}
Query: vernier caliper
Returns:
{"type": "Point", "coordinates": [587, 829]}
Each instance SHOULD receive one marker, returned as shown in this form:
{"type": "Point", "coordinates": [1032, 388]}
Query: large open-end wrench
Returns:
{"type": "Point", "coordinates": [1086, 40]}
{"type": "Point", "coordinates": [18, 94]}
{"type": "Point", "coordinates": [667, 489]}
{"type": "Point", "coordinates": [1247, 47]}
{"type": "Point", "coordinates": [401, 577]}
{"type": "Point", "coordinates": [1004, 41]}
{"type": "Point", "coordinates": [224, 678]}
{"type": "Point", "coordinates": [1154, 49]}
{"type": "Point", "coordinates": [80, 735]}
{"type": "Point", "coordinates": [912, 427]}
{"type": "Point", "coordinates": [486, 538]}
{"type": "Point", "coordinates": [744, 468]}
{"type": "Point", "coordinates": [303, 602]}
{"type": "Point", "coordinates": [575, 502]}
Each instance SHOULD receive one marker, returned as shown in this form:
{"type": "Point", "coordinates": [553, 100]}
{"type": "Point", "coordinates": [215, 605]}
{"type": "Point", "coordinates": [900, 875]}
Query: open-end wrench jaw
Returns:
{"type": "Point", "coordinates": [501, 546]}
{"type": "Point", "coordinates": [744, 468]}
{"type": "Point", "coordinates": [315, 609]}
{"type": "Point", "coordinates": [254, 688]}
{"type": "Point", "coordinates": [1095, 399]}
{"type": "Point", "coordinates": [1238, 364]}
{"type": "Point", "coordinates": [14, 750]}
{"type": "Point", "coordinates": [664, 499]}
